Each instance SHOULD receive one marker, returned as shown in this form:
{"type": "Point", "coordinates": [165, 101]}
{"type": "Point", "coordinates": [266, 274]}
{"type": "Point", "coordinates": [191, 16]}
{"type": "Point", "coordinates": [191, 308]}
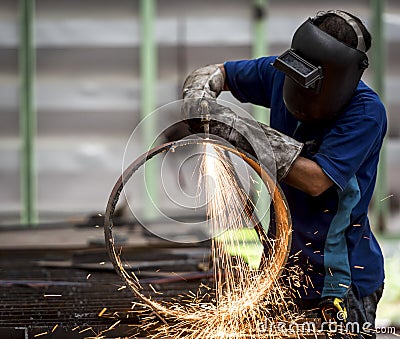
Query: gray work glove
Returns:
{"type": "Point", "coordinates": [200, 87]}
{"type": "Point", "coordinates": [204, 83]}
{"type": "Point", "coordinates": [274, 150]}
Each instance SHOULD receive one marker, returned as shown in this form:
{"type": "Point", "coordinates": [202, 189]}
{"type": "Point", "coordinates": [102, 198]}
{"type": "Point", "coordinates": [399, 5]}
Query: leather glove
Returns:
{"type": "Point", "coordinates": [204, 83]}
{"type": "Point", "coordinates": [274, 150]}
{"type": "Point", "coordinates": [200, 87]}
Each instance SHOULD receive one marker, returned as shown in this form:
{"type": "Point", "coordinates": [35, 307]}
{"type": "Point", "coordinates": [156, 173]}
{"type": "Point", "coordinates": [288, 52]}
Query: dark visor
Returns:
{"type": "Point", "coordinates": [298, 69]}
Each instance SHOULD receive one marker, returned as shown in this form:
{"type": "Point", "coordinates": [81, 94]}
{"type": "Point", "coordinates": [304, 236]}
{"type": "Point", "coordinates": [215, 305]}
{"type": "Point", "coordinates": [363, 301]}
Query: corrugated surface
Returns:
{"type": "Point", "coordinates": [65, 290]}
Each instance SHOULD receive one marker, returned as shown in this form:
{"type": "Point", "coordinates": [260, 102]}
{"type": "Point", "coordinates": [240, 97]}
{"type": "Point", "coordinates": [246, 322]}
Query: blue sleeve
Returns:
{"type": "Point", "coordinates": [355, 137]}
{"type": "Point", "coordinates": [251, 80]}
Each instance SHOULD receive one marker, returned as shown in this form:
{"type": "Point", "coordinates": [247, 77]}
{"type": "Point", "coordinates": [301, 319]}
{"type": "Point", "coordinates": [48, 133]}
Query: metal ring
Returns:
{"type": "Point", "coordinates": [280, 245]}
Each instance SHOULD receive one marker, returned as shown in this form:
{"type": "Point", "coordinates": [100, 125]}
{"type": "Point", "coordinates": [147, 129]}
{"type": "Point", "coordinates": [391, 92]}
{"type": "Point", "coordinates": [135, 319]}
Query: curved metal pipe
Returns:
{"type": "Point", "coordinates": [280, 246]}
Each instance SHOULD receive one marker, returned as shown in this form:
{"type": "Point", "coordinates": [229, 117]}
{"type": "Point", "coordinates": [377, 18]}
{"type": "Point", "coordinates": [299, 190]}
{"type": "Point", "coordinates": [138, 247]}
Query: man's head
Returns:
{"type": "Point", "coordinates": [324, 65]}
{"type": "Point", "coordinates": [337, 27]}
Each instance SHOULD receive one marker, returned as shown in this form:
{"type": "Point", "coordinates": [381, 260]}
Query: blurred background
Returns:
{"type": "Point", "coordinates": [76, 77]}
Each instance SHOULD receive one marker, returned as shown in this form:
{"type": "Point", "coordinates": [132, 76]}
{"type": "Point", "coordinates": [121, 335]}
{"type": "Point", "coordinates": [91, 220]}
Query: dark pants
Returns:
{"type": "Point", "coordinates": [361, 313]}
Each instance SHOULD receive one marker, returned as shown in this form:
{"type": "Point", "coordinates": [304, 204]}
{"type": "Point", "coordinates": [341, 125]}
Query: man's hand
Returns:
{"type": "Point", "coordinates": [274, 150]}
{"type": "Point", "coordinates": [200, 90]}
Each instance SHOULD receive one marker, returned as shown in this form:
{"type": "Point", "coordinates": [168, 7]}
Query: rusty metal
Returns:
{"type": "Point", "coordinates": [281, 245]}
{"type": "Point", "coordinates": [36, 295]}
{"type": "Point", "coordinates": [66, 290]}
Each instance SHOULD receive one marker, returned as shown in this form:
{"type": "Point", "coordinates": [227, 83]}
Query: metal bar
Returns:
{"type": "Point", "coordinates": [148, 63]}
{"type": "Point", "coordinates": [260, 48]}
{"type": "Point", "coordinates": [28, 184]}
{"type": "Point", "coordinates": [380, 207]}
{"type": "Point", "coordinates": [262, 114]}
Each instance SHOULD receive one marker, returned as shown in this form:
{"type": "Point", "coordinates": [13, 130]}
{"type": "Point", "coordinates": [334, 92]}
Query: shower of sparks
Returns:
{"type": "Point", "coordinates": [244, 302]}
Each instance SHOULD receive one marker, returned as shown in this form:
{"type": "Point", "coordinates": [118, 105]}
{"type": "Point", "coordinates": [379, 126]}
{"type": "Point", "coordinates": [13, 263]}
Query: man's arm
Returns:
{"type": "Point", "coordinates": [201, 88]}
{"type": "Point", "coordinates": [307, 176]}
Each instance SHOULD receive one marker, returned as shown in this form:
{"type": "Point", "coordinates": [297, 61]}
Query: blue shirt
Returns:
{"type": "Point", "coordinates": [331, 232]}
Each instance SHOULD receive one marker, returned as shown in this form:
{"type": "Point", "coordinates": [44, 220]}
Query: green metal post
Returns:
{"type": "Point", "coordinates": [148, 64]}
{"type": "Point", "coordinates": [260, 47]}
{"type": "Point", "coordinates": [380, 207]}
{"type": "Point", "coordinates": [27, 112]}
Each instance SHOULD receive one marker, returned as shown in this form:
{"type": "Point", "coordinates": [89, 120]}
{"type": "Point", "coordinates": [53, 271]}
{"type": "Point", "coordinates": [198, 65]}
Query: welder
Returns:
{"type": "Point", "coordinates": [323, 143]}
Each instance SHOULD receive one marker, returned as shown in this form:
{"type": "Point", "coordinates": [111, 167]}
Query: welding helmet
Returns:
{"type": "Point", "coordinates": [322, 73]}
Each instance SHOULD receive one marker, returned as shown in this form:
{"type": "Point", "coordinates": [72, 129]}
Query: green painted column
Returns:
{"type": "Point", "coordinates": [259, 47]}
{"type": "Point", "coordinates": [148, 65]}
{"type": "Point", "coordinates": [27, 113]}
{"type": "Point", "coordinates": [380, 206]}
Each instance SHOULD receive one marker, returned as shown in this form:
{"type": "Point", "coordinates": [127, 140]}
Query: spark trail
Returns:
{"type": "Point", "coordinates": [246, 302]}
